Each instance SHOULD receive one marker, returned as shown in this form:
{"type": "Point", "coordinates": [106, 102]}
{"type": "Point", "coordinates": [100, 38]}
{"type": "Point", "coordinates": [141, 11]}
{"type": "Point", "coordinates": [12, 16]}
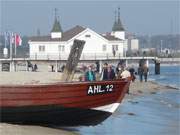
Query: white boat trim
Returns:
{"type": "Point", "coordinates": [108, 108]}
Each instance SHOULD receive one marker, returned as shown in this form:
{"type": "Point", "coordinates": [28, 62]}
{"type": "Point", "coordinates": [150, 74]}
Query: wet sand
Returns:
{"type": "Point", "coordinates": [136, 90]}
{"type": "Point", "coordinates": [10, 129]}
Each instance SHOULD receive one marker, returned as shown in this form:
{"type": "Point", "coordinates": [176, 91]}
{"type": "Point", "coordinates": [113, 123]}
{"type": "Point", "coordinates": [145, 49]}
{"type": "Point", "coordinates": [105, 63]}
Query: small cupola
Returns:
{"type": "Point", "coordinates": [118, 30]}
{"type": "Point", "coordinates": [56, 31]}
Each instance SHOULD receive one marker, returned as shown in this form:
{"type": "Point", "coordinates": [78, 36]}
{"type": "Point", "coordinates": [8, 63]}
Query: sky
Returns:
{"type": "Point", "coordinates": [141, 17]}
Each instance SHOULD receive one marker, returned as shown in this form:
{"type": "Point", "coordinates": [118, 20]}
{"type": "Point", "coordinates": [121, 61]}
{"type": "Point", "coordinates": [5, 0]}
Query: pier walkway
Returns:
{"type": "Point", "coordinates": [12, 63]}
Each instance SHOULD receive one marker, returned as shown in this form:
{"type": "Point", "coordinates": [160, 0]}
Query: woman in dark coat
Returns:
{"type": "Point", "coordinates": [111, 73]}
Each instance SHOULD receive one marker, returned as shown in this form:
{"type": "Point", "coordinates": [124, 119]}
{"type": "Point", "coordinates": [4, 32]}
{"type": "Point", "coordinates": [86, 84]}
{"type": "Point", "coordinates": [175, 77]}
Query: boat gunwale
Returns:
{"type": "Point", "coordinates": [63, 83]}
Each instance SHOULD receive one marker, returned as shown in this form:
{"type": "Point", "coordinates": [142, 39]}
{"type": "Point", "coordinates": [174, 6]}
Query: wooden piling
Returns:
{"type": "Point", "coordinates": [73, 60]}
{"type": "Point", "coordinates": [157, 67]}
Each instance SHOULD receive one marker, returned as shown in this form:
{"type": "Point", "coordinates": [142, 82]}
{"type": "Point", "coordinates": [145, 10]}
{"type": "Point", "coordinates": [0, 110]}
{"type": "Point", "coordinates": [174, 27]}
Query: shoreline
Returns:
{"type": "Point", "coordinates": [138, 88]}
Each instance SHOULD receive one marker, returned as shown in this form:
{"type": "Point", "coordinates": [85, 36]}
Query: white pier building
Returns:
{"type": "Point", "coordinates": [57, 44]}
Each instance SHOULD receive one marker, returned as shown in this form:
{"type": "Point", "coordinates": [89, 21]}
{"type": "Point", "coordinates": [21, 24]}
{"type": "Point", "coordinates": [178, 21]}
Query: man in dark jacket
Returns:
{"type": "Point", "coordinates": [111, 73]}
{"type": "Point", "coordinates": [132, 71]}
{"type": "Point", "coordinates": [104, 74]}
{"type": "Point", "coordinates": [145, 72]}
{"type": "Point", "coordinates": [140, 73]}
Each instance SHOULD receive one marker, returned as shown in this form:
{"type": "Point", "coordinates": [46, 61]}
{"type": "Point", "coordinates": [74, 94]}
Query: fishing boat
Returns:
{"type": "Point", "coordinates": [72, 103]}
{"type": "Point", "coordinates": [65, 103]}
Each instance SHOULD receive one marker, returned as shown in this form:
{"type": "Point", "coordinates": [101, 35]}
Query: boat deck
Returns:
{"type": "Point", "coordinates": [33, 78]}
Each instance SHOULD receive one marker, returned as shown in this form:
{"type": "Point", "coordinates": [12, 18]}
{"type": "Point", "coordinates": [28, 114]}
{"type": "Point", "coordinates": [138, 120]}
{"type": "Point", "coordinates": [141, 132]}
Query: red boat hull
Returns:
{"type": "Point", "coordinates": [76, 103]}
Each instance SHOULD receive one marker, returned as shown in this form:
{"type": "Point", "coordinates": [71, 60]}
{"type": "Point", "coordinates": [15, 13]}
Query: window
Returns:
{"type": "Point", "coordinates": [104, 48]}
{"type": "Point", "coordinates": [61, 48]}
{"type": "Point", "coordinates": [88, 36]}
{"type": "Point", "coordinates": [41, 48]}
{"type": "Point", "coordinates": [115, 47]}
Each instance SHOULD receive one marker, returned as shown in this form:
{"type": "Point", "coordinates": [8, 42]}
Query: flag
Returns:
{"type": "Point", "coordinates": [5, 36]}
{"type": "Point", "coordinates": [18, 40]}
{"type": "Point", "coordinates": [5, 39]}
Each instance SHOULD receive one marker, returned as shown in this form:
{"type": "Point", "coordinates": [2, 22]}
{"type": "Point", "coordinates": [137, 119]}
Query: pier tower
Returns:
{"type": "Point", "coordinates": [118, 30]}
{"type": "Point", "coordinates": [56, 31]}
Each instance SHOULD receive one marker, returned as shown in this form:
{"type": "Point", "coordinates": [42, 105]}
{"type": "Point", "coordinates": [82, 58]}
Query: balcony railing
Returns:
{"type": "Point", "coordinates": [84, 56]}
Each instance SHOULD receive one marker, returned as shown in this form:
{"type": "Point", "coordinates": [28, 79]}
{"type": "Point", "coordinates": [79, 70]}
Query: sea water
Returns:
{"type": "Point", "coordinates": [156, 114]}
{"type": "Point", "coordinates": [170, 75]}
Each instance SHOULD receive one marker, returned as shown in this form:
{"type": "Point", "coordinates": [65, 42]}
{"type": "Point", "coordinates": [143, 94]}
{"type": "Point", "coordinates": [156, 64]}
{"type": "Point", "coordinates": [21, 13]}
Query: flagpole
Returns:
{"type": "Point", "coordinates": [15, 44]}
{"type": "Point", "coordinates": [5, 52]}
{"type": "Point", "coordinates": [10, 42]}
{"type": "Point", "coordinates": [5, 39]}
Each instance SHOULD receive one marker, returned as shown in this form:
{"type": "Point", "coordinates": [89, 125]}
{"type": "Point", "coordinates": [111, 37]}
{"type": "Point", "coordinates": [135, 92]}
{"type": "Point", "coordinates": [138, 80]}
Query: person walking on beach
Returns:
{"type": "Point", "coordinates": [145, 72]}
{"type": "Point", "coordinates": [90, 75]}
{"type": "Point", "coordinates": [125, 75]}
{"type": "Point", "coordinates": [140, 73]}
{"type": "Point", "coordinates": [132, 71]}
{"type": "Point", "coordinates": [52, 68]}
{"type": "Point", "coordinates": [29, 65]}
{"type": "Point", "coordinates": [35, 68]}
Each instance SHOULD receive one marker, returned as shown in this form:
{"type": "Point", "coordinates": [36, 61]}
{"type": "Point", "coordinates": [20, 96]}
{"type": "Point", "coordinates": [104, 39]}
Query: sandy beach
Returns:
{"type": "Point", "coordinates": [136, 89]}
{"type": "Point", "coordinates": [35, 78]}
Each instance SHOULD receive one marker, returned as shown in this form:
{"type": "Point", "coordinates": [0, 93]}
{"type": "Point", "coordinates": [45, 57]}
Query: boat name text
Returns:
{"type": "Point", "coordinates": [100, 89]}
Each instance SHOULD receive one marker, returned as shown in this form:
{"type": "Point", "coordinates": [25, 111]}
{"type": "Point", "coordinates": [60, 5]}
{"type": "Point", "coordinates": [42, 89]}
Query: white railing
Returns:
{"type": "Point", "coordinates": [84, 56]}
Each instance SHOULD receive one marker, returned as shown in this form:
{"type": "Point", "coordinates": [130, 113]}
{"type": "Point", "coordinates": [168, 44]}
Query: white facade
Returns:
{"type": "Point", "coordinates": [56, 34]}
{"type": "Point", "coordinates": [96, 46]}
{"type": "Point", "coordinates": [118, 34]}
{"type": "Point", "coordinates": [134, 44]}
{"type": "Point", "coordinates": [166, 51]}
{"type": "Point", "coordinates": [126, 44]}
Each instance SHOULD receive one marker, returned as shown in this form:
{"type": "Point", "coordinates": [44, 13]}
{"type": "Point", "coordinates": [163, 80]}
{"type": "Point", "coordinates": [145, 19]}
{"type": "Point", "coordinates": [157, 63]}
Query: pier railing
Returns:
{"type": "Point", "coordinates": [84, 56]}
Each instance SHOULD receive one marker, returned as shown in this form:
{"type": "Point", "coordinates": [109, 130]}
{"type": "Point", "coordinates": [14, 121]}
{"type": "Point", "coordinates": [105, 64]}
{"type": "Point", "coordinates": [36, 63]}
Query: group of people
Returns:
{"type": "Point", "coordinates": [31, 66]}
{"type": "Point", "coordinates": [108, 72]}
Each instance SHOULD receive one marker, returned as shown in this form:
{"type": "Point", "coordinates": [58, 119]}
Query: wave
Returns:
{"type": "Point", "coordinates": [168, 81]}
{"type": "Point", "coordinates": [170, 86]}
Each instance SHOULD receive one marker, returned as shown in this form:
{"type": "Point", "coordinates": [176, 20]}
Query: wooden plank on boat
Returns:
{"type": "Point", "coordinates": [73, 60]}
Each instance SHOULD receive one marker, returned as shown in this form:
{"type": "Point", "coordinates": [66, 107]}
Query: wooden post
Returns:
{"type": "Point", "coordinates": [56, 70]}
{"type": "Point", "coordinates": [15, 66]}
{"type": "Point", "coordinates": [35, 56]}
{"type": "Point", "coordinates": [27, 69]}
{"type": "Point", "coordinates": [0, 66]}
{"type": "Point", "coordinates": [100, 64]}
{"type": "Point", "coordinates": [73, 60]}
{"type": "Point", "coordinates": [147, 63]}
{"type": "Point", "coordinates": [126, 63]}
{"type": "Point", "coordinates": [12, 67]}
{"type": "Point", "coordinates": [157, 67]}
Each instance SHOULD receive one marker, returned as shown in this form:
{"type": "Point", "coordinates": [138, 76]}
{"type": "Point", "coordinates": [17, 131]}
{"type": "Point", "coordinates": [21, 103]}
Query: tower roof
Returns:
{"type": "Point", "coordinates": [117, 26]}
{"type": "Point", "coordinates": [57, 25]}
